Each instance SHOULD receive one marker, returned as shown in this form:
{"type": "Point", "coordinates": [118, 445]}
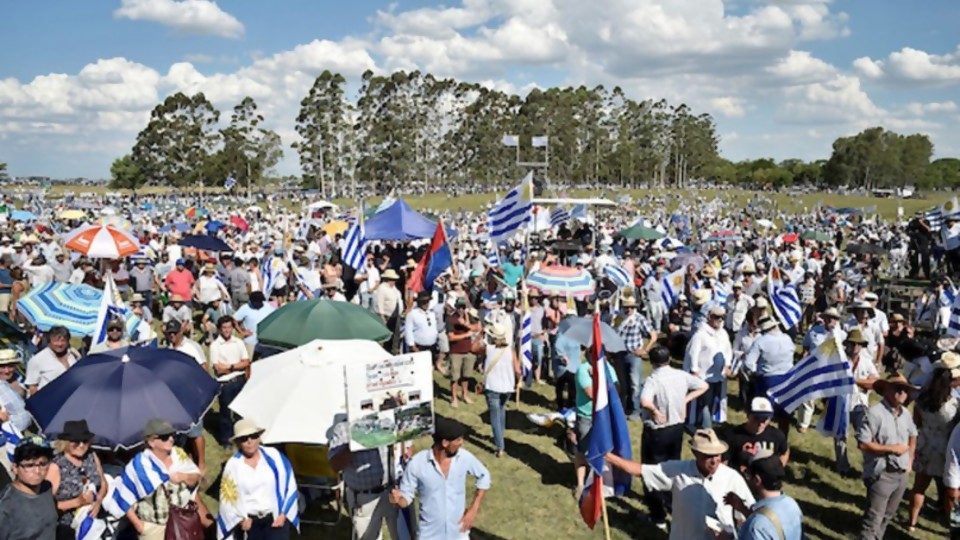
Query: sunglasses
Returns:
{"type": "Point", "coordinates": [35, 465]}
{"type": "Point", "coordinates": [80, 443]}
{"type": "Point", "coordinates": [114, 329]}
{"type": "Point", "coordinates": [164, 438]}
{"type": "Point", "coordinates": [245, 438]}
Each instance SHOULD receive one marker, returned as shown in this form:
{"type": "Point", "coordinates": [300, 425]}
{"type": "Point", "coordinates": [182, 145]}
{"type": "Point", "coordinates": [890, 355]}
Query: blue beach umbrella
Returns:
{"type": "Point", "coordinates": [118, 391]}
{"type": "Point", "coordinates": [580, 330]}
{"type": "Point", "coordinates": [22, 215]}
{"type": "Point", "coordinates": [72, 306]}
{"type": "Point", "coordinates": [204, 242]}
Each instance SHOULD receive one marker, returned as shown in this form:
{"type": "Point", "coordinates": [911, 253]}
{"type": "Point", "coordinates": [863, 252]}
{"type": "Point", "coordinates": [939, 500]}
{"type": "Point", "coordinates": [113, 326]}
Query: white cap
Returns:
{"type": "Point", "coordinates": [761, 405]}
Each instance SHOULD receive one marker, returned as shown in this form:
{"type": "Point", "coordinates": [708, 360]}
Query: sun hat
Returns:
{"type": "Point", "coordinates": [245, 427]}
{"type": "Point", "coordinates": [496, 331]}
{"type": "Point", "coordinates": [709, 271]}
{"type": "Point", "coordinates": [706, 442]}
{"type": "Point", "coordinates": [893, 380]}
{"type": "Point", "coordinates": [209, 267]}
{"type": "Point", "coordinates": [76, 431]}
{"type": "Point", "coordinates": [717, 311]}
{"type": "Point", "coordinates": [831, 312]}
{"type": "Point", "coordinates": [767, 324]}
{"type": "Point", "coordinates": [701, 297]}
{"type": "Point", "coordinates": [863, 305]}
{"type": "Point", "coordinates": [951, 361]}
{"type": "Point", "coordinates": [156, 427]}
{"type": "Point", "coordinates": [473, 313]}
{"type": "Point", "coordinates": [137, 297]}
{"type": "Point", "coordinates": [629, 302]}
{"type": "Point", "coordinates": [390, 274]}
{"type": "Point", "coordinates": [8, 357]}
{"type": "Point", "coordinates": [856, 336]}
{"type": "Point", "coordinates": [871, 297]}
{"type": "Point", "coordinates": [737, 284]}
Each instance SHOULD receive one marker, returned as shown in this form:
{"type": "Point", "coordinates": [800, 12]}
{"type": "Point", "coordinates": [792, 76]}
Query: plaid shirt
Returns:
{"type": "Point", "coordinates": [368, 469]}
{"type": "Point", "coordinates": [632, 330]}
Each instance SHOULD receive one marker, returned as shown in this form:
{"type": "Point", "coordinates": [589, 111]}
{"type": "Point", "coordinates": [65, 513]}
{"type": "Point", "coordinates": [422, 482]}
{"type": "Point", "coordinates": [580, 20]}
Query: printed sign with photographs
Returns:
{"type": "Point", "coordinates": [389, 401]}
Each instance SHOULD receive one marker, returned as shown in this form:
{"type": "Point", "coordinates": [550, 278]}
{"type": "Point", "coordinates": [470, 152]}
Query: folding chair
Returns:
{"type": "Point", "coordinates": [316, 479]}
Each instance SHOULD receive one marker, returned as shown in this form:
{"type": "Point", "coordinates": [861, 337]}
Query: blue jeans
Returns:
{"type": "Point", "coordinates": [634, 367]}
{"type": "Point", "coordinates": [497, 403]}
{"type": "Point", "coordinates": [228, 392]}
{"type": "Point", "coordinates": [536, 347]}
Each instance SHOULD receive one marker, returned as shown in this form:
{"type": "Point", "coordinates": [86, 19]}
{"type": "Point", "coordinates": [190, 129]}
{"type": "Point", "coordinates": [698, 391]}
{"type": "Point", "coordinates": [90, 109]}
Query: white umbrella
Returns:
{"type": "Point", "coordinates": [766, 224]}
{"type": "Point", "coordinates": [297, 396]}
{"type": "Point", "coordinates": [320, 205]}
{"type": "Point", "coordinates": [102, 241]}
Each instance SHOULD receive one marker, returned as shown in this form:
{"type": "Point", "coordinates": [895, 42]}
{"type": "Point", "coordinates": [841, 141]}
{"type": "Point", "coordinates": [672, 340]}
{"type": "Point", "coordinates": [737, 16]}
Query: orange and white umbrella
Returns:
{"type": "Point", "coordinates": [102, 241]}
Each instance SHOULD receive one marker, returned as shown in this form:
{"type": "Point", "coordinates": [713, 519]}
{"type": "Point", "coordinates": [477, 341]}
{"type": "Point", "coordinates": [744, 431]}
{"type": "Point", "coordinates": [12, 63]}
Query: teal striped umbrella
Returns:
{"type": "Point", "coordinates": [562, 281]}
{"type": "Point", "coordinates": [72, 306]}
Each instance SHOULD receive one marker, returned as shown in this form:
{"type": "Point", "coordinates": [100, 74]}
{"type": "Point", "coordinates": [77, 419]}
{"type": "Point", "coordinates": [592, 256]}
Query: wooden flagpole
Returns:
{"type": "Point", "coordinates": [603, 511]}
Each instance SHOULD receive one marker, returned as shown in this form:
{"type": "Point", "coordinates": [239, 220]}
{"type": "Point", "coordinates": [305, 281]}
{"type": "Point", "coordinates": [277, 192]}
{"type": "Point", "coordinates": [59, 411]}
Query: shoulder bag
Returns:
{"type": "Point", "coordinates": [183, 522]}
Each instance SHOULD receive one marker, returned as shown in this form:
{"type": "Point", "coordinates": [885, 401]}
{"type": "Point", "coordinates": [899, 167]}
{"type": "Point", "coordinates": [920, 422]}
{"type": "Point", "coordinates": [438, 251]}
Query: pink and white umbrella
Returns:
{"type": "Point", "coordinates": [102, 241]}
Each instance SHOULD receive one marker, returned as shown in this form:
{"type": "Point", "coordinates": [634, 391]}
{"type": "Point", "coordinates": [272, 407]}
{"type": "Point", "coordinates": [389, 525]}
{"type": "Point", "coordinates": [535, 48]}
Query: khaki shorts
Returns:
{"type": "Point", "coordinates": [4, 303]}
{"type": "Point", "coordinates": [461, 366]}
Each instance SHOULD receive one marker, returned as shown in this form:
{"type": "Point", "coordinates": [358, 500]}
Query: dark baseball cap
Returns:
{"type": "Point", "coordinates": [171, 327]}
{"type": "Point", "coordinates": [156, 427]}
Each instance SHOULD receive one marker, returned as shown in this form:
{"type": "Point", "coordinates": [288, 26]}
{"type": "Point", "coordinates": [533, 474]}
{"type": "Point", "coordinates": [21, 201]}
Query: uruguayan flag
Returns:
{"type": "Point", "coordinates": [285, 495]}
{"type": "Point", "coordinates": [493, 258]}
{"type": "Point", "coordinates": [617, 275]}
{"type": "Point", "coordinates": [111, 307]}
{"type": "Point", "coordinates": [824, 374]}
{"type": "Point", "coordinates": [272, 270]}
{"type": "Point", "coordinates": [784, 299]}
{"type": "Point", "coordinates": [142, 476]}
{"type": "Point", "coordinates": [672, 287]}
{"type": "Point", "coordinates": [934, 217]}
{"type": "Point", "coordinates": [558, 216]}
{"type": "Point", "coordinates": [579, 211]}
{"type": "Point", "coordinates": [526, 342]}
{"type": "Point", "coordinates": [12, 436]}
{"type": "Point", "coordinates": [230, 183]}
{"type": "Point", "coordinates": [953, 325]}
{"type": "Point", "coordinates": [512, 212]}
{"type": "Point", "coordinates": [355, 251]}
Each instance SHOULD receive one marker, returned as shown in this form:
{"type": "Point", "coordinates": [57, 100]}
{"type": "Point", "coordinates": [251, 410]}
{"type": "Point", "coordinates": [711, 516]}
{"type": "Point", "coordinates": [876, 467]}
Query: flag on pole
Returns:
{"type": "Point", "coordinates": [12, 436]}
{"type": "Point", "coordinates": [953, 325]}
{"type": "Point", "coordinates": [558, 216]}
{"type": "Point", "coordinates": [512, 212]}
{"type": "Point", "coordinates": [539, 142]}
{"type": "Point", "coordinates": [511, 140]}
{"type": "Point", "coordinates": [434, 262]}
{"type": "Point", "coordinates": [493, 258]}
{"type": "Point", "coordinates": [355, 250]}
{"type": "Point", "coordinates": [672, 287]}
{"type": "Point", "coordinates": [825, 373]}
{"type": "Point", "coordinates": [784, 298]}
{"type": "Point", "coordinates": [617, 275]}
{"type": "Point", "coordinates": [526, 341]}
{"type": "Point", "coordinates": [111, 307]}
{"type": "Point", "coordinates": [230, 183]}
{"type": "Point", "coordinates": [608, 433]}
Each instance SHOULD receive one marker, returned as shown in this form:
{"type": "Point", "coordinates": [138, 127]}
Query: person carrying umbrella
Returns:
{"type": "Point", "coordinates": [258, 491]}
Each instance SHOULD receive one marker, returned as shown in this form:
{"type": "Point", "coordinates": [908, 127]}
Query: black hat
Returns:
{"type": "Point", "coordinates": [446, 429]}
{"type": "Point", "coordinates": [769, 468]}
{"type": "Point", "coordinates": [76, 431]}
{"type": "Point", "coordinates": [171, 327]}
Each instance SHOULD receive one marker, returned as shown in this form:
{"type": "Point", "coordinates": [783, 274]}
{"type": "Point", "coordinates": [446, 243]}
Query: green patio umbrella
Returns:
{"type": "Point", "coordinates": [297, 323]}
{"type": "Point", "coordinates": [639, 232]}
{"type": "Point", "coordinates": [817, 236]}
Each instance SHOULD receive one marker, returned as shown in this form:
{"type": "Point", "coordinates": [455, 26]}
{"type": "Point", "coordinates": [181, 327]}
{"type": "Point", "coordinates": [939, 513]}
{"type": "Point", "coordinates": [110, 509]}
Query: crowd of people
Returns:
{"type": "Point", "coordinates": [717, 325]}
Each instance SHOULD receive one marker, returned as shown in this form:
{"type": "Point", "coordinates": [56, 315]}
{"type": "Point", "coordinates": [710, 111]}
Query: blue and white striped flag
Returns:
{"type": "Point", "coordinates": [141, 477]}
{"type": "Point", "coordinates": [512, 212]}
{"type": "Point", "coordinates": [953, 325]}
{"type": "Point", "coordinates": [271, 269]}
{"type": "Point", "coordinates": [784, 299]}
{"type": "Point", "coordinates": [355, 250]}
{"type": "Point", "coordinates": [111, 307]}
{"type": "Point", "coordinates": [934, 218]}
{"type": "Point", "coordinates": [579, 211]}
{"type": "Point", "coordinates": [558, 216]}
{"type": "Point", "coordinates": [230, 183]}
{"type": "Point", "coordinates": [526, 343]}
{"type": "Point", "coordinates": [617, 275]}
{"type": "Point", "coordinates": [12, 436]}
{"type": "Point", "coordinates": [672, 287]}
{"type": "Point", "coordinates": [824, 374]}
{"type": "Point", "coordinates": [285, 500]}
{"type": "Point", "coordinates": [493, 258]}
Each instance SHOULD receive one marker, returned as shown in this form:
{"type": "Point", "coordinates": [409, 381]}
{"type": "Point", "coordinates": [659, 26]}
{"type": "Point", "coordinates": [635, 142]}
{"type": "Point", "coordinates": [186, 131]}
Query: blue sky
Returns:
{"type": "Point", "coordinates": [783, 78]}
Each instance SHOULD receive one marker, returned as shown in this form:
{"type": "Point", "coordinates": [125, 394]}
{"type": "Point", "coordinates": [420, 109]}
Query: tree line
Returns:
{"type": "Point", "coordinates": [408, 127]}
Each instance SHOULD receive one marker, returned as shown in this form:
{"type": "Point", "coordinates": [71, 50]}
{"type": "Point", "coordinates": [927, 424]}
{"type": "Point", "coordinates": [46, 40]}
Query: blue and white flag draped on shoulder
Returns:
{"type": "Point", "coordinates": [512, 212]}
{"type": "Point", "coordinates": [285, 495]}
{"type": "Point", "coordinates": [784, 299]}
{"type": "Point", "coordinates": [143, 475]}
{"type": "Point", "coordinates": [825, 373]}
{"type": "Point", "coordinates": [355, 251]}
{"type": "Point", "coordinates": [953, 325]}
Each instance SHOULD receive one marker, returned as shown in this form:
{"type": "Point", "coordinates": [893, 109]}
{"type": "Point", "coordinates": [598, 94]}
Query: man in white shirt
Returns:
{"type": "Point", "coordinates": [708, 357]}
{"type": "Point", "coordinates": [421, 328]}
{"type": "Point", "coordinates": [38, 271]}
{"type": "Point", "coordinates": [369, 279]}
{"type": "Point", "coordinates": [738, 304]}
{"type": "Point", "coordinates": [699, 487]}
{"type": "Point", "coordinates": [51, 362]}
{"type": "Point", "coordinates": [229, 360]}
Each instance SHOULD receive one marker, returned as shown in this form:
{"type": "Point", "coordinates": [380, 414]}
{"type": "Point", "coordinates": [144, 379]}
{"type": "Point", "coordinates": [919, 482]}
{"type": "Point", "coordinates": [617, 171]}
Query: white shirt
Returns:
{"type": "Point", "coordinates": [229, 352]}
{"type": "Point", "coordinates": [951, 468]}
{"type": "Point", "coordinates": [864, 369]}
{"type": "Point", "coordinates": [701, 355]}
{"type": "Point", "coordinates": [45, 367]}
{"type": "Point", "coordinates": [696, 497]}
{"type": "Point", "coordinates": [76, 278]}
{"type": "Point", "coordinates": [39, 274]}
{"type": "Point", "coordinates": [667, 388]}
{"type": "Point", "coordinates": [191, 347]}
{"type": "Point", "coordinates": [210, 289]}
{"type": "Point", "coordinates": [373, 278]}
{"type": "Point", "coordinates": [500, 377]}
{"type": "Point", "coordinates": [420, 328]}
{"type": "Point", "coordinates": [256, 486]}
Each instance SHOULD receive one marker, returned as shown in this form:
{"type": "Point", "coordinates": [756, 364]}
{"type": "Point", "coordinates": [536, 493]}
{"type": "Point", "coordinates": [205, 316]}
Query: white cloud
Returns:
{"type": "Point", "coordinates": [191, 16]}
{"type": "Point", "coordinates": [920, 109]}
{"type": "Point", "coordinates": [909, 65]}
{"type": "Point", "coordinates": [730, 107]}
{"type": "Point", "coordinates": [801, 66]}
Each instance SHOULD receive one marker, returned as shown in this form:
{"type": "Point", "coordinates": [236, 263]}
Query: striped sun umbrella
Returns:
{"type": "Point", "coordinates": [725, 236]}
{"type": "Point", "coordinates": [73, 306]}
{"type": "Point", "coordinates": [562, 281]}
{"type": "Point", "coordinates": [102, 241]}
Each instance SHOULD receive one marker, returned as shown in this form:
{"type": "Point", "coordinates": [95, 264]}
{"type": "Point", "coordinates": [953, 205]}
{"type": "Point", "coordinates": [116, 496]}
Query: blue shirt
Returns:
{"type": "Point", "coordinates": [511, 273]}
{"type": "Point", "coordinates": [759, 527]}
{"type": "Point", "coordinates": [6, 280]}
{"type": "Point", "coordinates": [250, 318]}
{"type": "Point", "coordinates": [770, 354]}
{"type": "Point", "coordinates": [15, 406]}
{"type": "Point", "coordinates": [569, 348]}
{"type": "Point", "coordinates": [442, 500]}
{"type": "Point", "coordinates": [818, 334]}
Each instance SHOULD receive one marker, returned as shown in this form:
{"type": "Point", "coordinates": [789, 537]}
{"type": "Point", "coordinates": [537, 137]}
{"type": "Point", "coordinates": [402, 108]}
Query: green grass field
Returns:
{"type": "Point", "coordinates": [531, 494]}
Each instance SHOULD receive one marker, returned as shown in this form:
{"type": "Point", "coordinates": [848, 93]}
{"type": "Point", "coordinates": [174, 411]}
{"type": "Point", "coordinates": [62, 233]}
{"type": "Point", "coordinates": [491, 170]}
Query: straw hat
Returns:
{"type": "Point", "coordinates": [709, 271]}
{"type": "Point", "coordinates": [244, 428]}
{"type": "Point", "coordinates": [209, 267]}
{"type": "Point", "coordinates": [390, 274]}
{"type": "Point", "coordinates": [496, 331]}
{"type": "Point", "coordinates": [951, 361]}
{"type": "Point", "coordinates": [856, 336]}
{"type": "Point", "coordinates": [8, 357]}
{"type": "Point", "coordinates": [629, 302]}
{"type": "Point", "coordinates": [748, 268]}
{"type": "Point", "coordinates": [831, 312]}
{"type": "Point", "coordinates": [864, 305]}
{"type": "Point", "coordinates": [137, 297]}
{"type": "Point", "coordinates": [705, 441]}
{"type": "Point", "coordinates": [701, 297]}
{"type": "Point", "coordinates": [894, 380]}
{"type": "Point", "coordinates": [767, 324]}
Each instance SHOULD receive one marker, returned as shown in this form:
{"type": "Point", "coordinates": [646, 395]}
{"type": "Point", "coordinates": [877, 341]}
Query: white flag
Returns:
{"type": "Point", "coordinates": [539, 142]}
{"type": "Point", "coordinates": [511, 140]}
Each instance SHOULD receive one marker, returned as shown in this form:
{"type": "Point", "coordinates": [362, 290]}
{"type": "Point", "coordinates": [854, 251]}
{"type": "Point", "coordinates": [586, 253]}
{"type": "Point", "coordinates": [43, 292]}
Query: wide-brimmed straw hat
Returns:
{"type": "Point", "coordinates": [706, 441]}
{"type": "Point", "coordinates": [8, 357]}
{"type": "Point", "coordinates": [893, 380]}
{"type": "Point", "coordinates": [864, 305]}
{"type": "Point", "coordinates": [951, 361]}
{"type": "Point", "coordinates": [244, 428]}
